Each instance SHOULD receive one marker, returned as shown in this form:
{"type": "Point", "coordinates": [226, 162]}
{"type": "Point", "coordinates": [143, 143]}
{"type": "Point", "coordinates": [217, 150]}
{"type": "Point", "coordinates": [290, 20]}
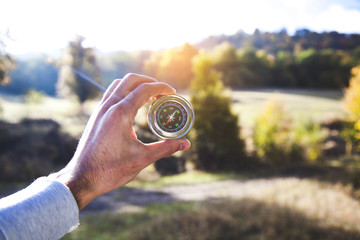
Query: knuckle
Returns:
{"type": "Point", "coordinates": [131, 76]}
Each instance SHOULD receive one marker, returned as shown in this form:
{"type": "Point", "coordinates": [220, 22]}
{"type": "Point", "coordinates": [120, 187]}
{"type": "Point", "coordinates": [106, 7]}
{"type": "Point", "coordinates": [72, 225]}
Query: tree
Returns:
{"type": "Point", "coordinates": [322, 69]}
{"type": "Point", "coordinates": [352, 94]}
{"type": "Point", "coordinates": [7, 63]}
{"type": "Point", "coordinates": [217, 141]}
{"type": "Point", "coordinates": [173, 66]}
{"type": "Point", "coordinates": [77, 62]}
{"type": "Point", "coordinates": [227, 62]}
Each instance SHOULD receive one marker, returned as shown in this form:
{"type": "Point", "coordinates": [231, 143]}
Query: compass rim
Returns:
{"type": "Point", "coordinates": [170, 135]}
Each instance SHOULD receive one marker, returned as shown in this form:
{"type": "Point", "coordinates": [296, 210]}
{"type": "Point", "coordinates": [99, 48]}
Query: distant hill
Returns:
{"type": "Point", "coordinates": [276, 41]}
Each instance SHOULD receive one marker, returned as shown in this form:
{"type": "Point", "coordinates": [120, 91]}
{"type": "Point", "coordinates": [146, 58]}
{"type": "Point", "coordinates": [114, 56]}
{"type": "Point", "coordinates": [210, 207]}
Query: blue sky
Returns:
{"type": "Point", "coordinates": [109, 25]}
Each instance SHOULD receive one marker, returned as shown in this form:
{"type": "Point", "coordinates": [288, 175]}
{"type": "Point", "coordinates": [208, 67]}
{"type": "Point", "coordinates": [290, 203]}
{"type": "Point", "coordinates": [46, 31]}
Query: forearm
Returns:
{"type": "Point", "coordinates": [44, 210]}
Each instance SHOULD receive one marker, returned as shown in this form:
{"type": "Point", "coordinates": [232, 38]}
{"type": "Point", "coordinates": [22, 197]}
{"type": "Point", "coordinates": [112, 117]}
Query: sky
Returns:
{"type": "Point", "coordinates": [111, 25]}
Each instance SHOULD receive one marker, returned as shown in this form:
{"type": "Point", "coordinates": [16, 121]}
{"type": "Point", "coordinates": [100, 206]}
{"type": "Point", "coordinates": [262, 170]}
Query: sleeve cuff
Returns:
{"type": "Point", "coordinates": [44, 210]}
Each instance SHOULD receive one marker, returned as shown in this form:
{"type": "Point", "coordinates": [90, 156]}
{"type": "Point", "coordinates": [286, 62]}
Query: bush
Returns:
{"type": "Point", "coordinates": [34, 97]}
{"type": "Point", "coordinates": [217, 139]}
{"type": "Point", "coordinates": [272, 135]}
{"type": "Point", "coordinates": [278, 141]}
{"type": "Point", "coordinates": [352, 104]}
{"type": "Point", "coordinates": [33, 148]}
{"type": "Point", "coordinates": [352, 94]}
{"type": "Point", "coordinates": [309, 136]}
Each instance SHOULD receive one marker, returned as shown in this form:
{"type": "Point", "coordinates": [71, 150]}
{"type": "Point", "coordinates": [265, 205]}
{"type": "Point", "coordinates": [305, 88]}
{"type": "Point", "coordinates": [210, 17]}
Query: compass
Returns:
{"type": "Point", "coordinates": [170, 116]}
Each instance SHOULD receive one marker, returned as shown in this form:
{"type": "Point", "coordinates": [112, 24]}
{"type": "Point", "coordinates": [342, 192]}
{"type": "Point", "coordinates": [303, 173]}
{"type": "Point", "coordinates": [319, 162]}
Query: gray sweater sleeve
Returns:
{"type": "Point", "coordinates": [44, 210]}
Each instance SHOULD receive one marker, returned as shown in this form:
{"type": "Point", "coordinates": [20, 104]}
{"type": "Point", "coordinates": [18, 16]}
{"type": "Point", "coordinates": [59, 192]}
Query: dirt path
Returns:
{"type": "Point", "coordinates": [323, 201]}
{"type": "Point", "coordinates": [305, 195]}
{"type": "Point", "coordinates": [131, 199]}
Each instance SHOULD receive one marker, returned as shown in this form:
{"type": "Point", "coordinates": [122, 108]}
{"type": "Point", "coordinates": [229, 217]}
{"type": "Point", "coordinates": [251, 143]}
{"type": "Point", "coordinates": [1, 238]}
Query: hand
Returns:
{"type": "Point", "coordinates": [109, 155]}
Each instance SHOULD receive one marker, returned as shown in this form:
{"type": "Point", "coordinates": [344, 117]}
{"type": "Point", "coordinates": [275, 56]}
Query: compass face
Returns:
{"type": "Point", "coordinates": [171, 116]}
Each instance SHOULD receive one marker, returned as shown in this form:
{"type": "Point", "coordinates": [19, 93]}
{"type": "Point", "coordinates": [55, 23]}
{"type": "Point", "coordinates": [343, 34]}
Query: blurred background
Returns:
{"type": "Point", "coordinates": [275, 86]}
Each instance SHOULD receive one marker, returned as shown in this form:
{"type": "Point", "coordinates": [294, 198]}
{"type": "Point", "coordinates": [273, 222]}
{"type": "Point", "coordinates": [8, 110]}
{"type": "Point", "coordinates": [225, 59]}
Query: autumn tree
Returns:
{"type": "Point", "coordinates": [172, 66]}
{"type": "Point", "coordinates": [77, 65]}
{"type": "Point", "coordinates": [217, 142]}
{"type": "Point", "coordinates": [352, 94]}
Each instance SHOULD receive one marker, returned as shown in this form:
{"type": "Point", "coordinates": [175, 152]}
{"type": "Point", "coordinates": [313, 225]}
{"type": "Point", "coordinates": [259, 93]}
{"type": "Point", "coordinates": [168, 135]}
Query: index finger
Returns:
{"type": "Point", "coordinates": [140, 95]}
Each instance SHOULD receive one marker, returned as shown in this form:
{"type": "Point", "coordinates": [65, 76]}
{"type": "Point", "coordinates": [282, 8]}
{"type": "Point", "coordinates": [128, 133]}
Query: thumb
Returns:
{"type": "Point", "coordinates": [167, 147]}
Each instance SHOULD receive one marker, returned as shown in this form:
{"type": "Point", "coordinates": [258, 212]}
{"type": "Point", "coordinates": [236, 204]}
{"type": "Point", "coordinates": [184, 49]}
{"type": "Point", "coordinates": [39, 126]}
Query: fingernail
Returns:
{"type": "Point", "coordinates": [182, 146]}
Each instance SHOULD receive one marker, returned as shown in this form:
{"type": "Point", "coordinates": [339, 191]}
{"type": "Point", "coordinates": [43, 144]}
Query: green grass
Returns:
{"type": "Point", "coordinates": [300, 104]}
{"type": "Point", "coordinates": [232, 219]}
{"type": "Point", "coordinates": [287, 209]}
{"type": "Point", "coordinates": [189, 177]}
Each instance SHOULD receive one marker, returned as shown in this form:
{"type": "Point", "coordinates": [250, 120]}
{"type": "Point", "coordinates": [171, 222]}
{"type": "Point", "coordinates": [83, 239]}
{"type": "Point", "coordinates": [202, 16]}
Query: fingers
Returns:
{"type": "Point", "coordinates": [166, 148]}
{"type": "Point", "coordinates": [120, 88]}
{"type": "Point", "coordinates": [137, 98]}
{"type": "Point", "coordinates": [110, 89]}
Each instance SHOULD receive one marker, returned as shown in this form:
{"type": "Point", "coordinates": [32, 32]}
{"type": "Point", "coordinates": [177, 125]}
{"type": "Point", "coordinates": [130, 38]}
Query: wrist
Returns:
{"type": "Point", "coordinates": [79, 187]}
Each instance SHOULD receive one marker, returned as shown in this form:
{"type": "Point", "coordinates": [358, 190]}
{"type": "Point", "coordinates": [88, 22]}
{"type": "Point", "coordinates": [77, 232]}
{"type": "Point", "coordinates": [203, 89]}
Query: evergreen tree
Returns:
{"type": "Point", "coordinates": [217, 142]}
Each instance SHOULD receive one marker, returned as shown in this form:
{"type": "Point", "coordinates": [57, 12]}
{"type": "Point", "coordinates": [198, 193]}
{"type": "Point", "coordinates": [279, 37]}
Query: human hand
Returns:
{"type": "Point", "coordinates": [109, 155]}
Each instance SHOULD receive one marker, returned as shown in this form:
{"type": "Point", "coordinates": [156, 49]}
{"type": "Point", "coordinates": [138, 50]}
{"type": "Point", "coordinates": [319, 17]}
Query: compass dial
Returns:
{"type": "Point", "coordinates": [171, 117]}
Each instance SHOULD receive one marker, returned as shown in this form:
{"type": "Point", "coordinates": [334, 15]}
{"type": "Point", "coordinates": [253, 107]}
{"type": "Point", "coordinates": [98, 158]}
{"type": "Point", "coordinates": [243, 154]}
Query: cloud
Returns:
{"type": "Point", "coordinates": [336, 17]}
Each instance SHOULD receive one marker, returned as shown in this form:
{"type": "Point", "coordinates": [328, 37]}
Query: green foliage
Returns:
{"type": "Point", "coordinates": [278, 141]}
{"type": "Point", "coordinates": [272, 134]}
{"type": "Point", "coordinates": [245, 68]}
{"type": "Point", "coordinates": [309, 136]}
{"type": "Point", "coordinates": [279, 60]}
{"type": "Point", "coordinates": [320, 69]}
{"type": "Point", "coordinates": [34, 97]}
{"type": "Point", "coordinates": [350, 132]}
{"type": "Point", "coordinates": [218, 144]}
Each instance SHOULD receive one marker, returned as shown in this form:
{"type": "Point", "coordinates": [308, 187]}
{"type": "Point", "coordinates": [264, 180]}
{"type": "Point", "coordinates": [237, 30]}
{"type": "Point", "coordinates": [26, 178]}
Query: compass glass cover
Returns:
{"type": "Point", "coordinates": [171, 117]}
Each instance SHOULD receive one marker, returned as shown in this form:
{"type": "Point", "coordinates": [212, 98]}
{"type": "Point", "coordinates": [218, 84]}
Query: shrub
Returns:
{"type": "Point", "coordinates": [277, 140]}
{"type": "Point", "coordinates": [217, 139]}
{"type": "Point", "coordinates": [272, 135]}
{"type": "Point", "coordinates": [34, 97]}
{"type": "Point", "coordinates": [309, 136]}
{"type": "Point", "coordinates": [352, 94]}
{"type": "Point", "coordinates": [352, 103]}
{"type": "Point", "coordinates": [33, 148]}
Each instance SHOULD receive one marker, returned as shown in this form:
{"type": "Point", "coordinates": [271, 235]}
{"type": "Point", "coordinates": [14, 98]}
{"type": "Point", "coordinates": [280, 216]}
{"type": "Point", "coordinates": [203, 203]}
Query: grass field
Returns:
{"type": "Point", "coordinates": [316, 203]}
{"type": "Point", "coordinates": [300, 104]}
